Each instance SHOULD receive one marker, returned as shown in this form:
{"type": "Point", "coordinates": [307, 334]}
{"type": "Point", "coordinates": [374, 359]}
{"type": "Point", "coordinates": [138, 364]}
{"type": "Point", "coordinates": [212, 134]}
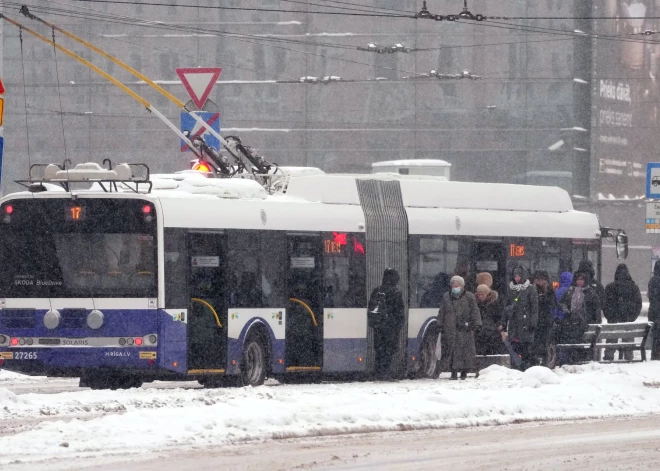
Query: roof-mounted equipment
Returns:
{"type": "Point", "coordinates": [106, 178]}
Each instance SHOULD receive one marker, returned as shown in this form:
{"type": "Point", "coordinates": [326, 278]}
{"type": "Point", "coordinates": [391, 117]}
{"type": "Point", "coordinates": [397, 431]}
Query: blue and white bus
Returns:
{"type": "Point", "coordinates": [226, 282]}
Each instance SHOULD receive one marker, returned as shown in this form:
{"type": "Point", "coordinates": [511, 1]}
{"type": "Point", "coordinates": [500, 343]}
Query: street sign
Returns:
{"type": "Point", "coordinates": [188, 123]}
{"type": "Point", "coordinates": [199, 82]}
{"type": "Point", "coordinates": [653, 218]}
{"type": "Point", "coordinates": [2, 87]}
{"type": "Point", "coordinates": [2, 110]}
{"type": "Point", "coordinates": [653, 180]}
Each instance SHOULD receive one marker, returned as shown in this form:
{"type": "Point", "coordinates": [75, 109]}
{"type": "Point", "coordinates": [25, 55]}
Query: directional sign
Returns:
{"type": "Point", "coordinates": [199, 82]}
{"type": "Point", "coordinates": [653, 218]}
{"type": "Point", "coordinates": [188, 123]}
{"type": "Point", "coordinates": [653, 180]}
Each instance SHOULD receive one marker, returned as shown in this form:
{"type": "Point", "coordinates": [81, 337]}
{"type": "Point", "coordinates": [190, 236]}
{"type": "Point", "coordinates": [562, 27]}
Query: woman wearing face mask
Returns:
{"type": "Point", "coordinates": [458, 319]}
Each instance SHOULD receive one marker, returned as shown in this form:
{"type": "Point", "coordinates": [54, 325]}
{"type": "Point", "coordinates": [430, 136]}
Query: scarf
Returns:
{"type": "Point", "coordinates": [519, 288]}
{"type": "Point", "coordinates": [577, 300]}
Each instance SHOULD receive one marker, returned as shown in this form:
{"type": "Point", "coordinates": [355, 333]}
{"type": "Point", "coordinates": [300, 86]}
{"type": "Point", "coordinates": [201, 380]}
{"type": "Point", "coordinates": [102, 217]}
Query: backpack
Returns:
{"type": "Point", "coordinates": [380, 309]}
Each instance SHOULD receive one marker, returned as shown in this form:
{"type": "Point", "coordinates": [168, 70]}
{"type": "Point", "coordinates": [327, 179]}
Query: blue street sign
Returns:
{"type": "Point", "coordinates": [188, 123]}
{"type": "Point", "coordinates": [653, 180]}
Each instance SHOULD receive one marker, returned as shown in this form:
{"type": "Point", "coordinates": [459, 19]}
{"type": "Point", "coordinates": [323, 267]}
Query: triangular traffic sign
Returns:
{"type": "Point", "coordinates": [199, 82]}
{"type": "Point", "coordinates": [2, 87]}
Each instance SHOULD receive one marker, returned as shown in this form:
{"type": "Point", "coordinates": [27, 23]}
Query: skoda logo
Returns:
{"type": "Point", "coordinates": [458, 223]}
{"type": "Point", "coordinates": [264, 218]}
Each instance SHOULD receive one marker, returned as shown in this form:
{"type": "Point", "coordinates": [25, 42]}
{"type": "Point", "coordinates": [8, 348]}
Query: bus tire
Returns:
{"type": "Point", "coordinates": [254, 364]}
{"type": "Point", "coordinates": [429, 366]}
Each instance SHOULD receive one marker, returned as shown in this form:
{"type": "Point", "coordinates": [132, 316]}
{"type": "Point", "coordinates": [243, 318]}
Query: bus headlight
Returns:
{"type": "Point", "coordinates": [95, 319]}
{"type": "Point", "coordinates": [52, 319]}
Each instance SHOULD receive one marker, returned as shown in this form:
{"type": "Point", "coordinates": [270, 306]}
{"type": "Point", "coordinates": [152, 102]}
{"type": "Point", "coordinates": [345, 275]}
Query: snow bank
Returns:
{"type": "Point", "coordinates": [537, 376]}
{"type": "Point", "coordinates": [96, 422]}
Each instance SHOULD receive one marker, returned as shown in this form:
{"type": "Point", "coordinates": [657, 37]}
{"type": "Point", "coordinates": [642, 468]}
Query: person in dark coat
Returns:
{"type": "Point", "coordinates": [547, 303]}
{"type": "Point", "coordinates": [653, 294]}
{"type": "Point", "coordinates": [520, 317]}
{"type": "Point", "coordinates": [489, 341]}
{"type": "Point", "coordinates": [623, 303]}
{"type": "Point", "coordinates": [579, 304]}
{"type": "Point", "coordinates": [587, 267]}
{"type": "Point", "coordinates": [387, 316]}
{"type": "Point", "coordinates": [458, 319]}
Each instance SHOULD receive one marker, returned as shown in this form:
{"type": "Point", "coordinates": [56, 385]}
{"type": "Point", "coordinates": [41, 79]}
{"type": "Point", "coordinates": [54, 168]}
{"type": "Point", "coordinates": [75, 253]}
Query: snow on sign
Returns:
{"type": "Point", "coordinates": [188, 123]}
{"type": "Point", "coordinates": [199, 82]}
{"type": "Point", "coordinates": [205, 261]}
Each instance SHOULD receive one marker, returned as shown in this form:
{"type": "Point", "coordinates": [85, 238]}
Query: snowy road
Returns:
{"type": "Point", "coordinates": [612, 444]}
{"type": "Point", "coordinates": [53, 424]}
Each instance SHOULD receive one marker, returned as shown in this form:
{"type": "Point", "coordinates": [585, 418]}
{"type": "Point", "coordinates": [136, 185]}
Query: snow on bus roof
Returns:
{"type": "Point", "coordinates": [433, 192]}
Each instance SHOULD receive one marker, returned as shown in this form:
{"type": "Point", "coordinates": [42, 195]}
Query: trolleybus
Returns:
{"type": "Point", "coordinates": [183, 276]}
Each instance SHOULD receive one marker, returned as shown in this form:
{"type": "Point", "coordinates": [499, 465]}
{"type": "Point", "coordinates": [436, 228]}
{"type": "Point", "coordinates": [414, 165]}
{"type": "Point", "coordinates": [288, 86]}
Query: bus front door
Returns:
{"type": "Point", "coordinates": [207, 336]}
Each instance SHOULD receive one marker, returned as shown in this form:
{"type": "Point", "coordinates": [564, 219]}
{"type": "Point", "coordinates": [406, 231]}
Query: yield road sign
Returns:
{"type": "Point", "coordinates": [199, 82]}
{"type": "Point", "coordinates": [188, 123]}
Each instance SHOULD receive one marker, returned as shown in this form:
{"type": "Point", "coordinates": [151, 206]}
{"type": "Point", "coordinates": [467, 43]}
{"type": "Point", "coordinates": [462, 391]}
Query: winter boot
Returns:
{"type": "Point", "coordinates": [454, 375]}
{"type": "Point", "coordinates": [463, 375]}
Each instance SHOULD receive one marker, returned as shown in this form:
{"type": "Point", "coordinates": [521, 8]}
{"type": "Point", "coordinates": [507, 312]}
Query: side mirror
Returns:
{"type": "Point", "coordinates": [622, 246]}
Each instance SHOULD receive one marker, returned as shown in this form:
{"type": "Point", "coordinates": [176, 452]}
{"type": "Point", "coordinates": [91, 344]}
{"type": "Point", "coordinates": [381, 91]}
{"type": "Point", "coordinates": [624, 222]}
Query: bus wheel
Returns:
{"type": "Point", "coordinates": [429, 367]}
{"type": "Point", "coordinates": [253, 368]}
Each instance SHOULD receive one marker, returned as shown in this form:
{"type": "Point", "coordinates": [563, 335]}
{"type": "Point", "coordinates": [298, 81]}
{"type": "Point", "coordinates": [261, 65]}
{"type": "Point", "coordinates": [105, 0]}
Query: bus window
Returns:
{"type": "Point", "coordinates": [274, 258]}
{"type": "Point", "coordinates": [432, 263]}
{"type": "Point", "coordinates": [244, 262]}
{"type": "Point", "coordinates": [344, 270]}
{"type": "Point", "coordinates": [176, 269]}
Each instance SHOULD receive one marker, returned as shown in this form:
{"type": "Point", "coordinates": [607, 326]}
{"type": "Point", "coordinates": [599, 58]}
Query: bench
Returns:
{"type": "Point", "coordinates": [595, 341]}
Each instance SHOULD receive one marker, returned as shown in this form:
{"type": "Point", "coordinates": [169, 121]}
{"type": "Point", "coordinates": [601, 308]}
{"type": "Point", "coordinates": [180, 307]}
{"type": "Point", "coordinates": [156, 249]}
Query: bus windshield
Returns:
{"type": "Point", "coordinates": [84, 248]}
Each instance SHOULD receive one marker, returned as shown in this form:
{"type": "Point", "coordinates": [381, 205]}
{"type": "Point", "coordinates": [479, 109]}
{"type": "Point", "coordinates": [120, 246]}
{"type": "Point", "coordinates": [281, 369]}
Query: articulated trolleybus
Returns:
{"type": "Point", "coordinates": [224, 281]}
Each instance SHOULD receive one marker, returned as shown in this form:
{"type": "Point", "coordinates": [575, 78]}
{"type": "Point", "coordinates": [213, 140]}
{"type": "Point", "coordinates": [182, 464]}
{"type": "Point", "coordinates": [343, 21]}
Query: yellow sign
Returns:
{"type": "Point", "coordinates": [147, 355]}
{"type": "Point", "coordinates": [7, 355]}
{"type": "Point", "coordinates": [2, 109]}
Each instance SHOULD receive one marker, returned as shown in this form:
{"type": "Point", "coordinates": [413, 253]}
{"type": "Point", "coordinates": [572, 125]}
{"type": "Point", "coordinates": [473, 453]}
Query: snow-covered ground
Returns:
{"type": "Point", "coordinates": [94, 423]}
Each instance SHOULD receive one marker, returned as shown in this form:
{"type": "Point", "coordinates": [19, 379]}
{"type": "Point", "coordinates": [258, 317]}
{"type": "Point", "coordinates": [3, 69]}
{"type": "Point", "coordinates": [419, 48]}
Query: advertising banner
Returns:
{"type": "Point", "coordinates": [625, 96]}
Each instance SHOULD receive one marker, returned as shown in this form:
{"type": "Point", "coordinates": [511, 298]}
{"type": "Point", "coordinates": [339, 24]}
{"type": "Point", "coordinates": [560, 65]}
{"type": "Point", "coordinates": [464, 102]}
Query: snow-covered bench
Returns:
{"type": "Point", "coordinates": [595, 340]}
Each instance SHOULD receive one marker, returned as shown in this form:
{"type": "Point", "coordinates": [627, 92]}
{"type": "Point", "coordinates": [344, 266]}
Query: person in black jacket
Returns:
{"type": "Point", "coordinates": [587, 267]}
{"type": "Point", "coordinates": [623, 303]}
{"type": "Point", "coordinates": [387, 315]}
{"type": "Point", "coordinates": [653, 294]}
{"type": "Point", "coordinates": [580, 305]}
{"type": "Point", "coordinates": [547, 302]}
{"type": "Point", "coordinates": [520, 317]}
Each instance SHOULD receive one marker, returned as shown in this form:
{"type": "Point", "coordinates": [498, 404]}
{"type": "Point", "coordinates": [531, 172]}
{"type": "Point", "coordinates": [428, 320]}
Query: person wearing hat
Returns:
{"type": "Point", "coordinates": [520, 317]}
{"type": "Point", "coordinates": [490, 308]}
{"type": "Point", "coordinates": [547, 303]}
{"type": "Point", "coordinates": [458, 319]}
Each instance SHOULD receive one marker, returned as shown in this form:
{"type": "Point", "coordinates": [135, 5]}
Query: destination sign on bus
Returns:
{"type": "Point", "coordinates": [516, 250]}
{"type": "Point", "coordinates": [74, 213]}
